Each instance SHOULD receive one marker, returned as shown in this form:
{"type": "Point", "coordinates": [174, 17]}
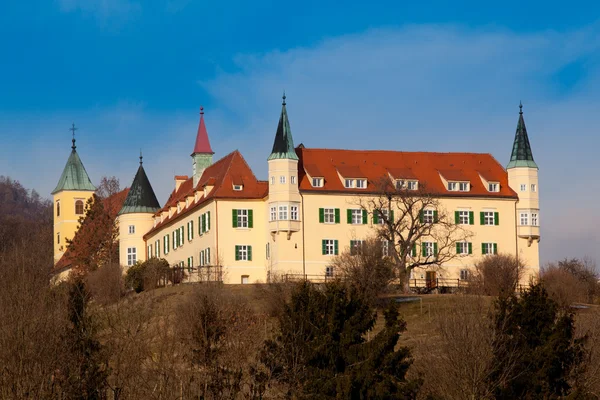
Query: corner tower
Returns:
{"type": "Point", "coordinates": [523, 179]}
{"type": "Point", "coordinates": [202, 155]}
{"type": "Point", "coordinates": [136, 218]}
{"type": "Point", "coordinates": [284, 205]}
{"type": "Point", "coordinates": [69, 196]}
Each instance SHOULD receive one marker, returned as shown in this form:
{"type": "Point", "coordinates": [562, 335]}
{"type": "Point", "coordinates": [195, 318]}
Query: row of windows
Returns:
{"type": "Point", "coordinates": [533, 187]}
{"type": "Point", "coordinates": [283, 212]}
{"type": "Point", "coordinates": [359, 216]}
{"type": "Point", "coordinates": [282, 179]}
{"type": "Point", "coordinates": [79, 207]}
{"type": "Point", "coordinates": [528, 218]}
{"type": "Point", "coordinates": [428, 249]}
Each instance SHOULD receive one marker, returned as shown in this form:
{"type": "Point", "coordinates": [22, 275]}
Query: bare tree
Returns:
{"type": "Point", "coordinates": [367, 269]}
{"type": "Point", "coordinates": [496, 274]}
{"type": "Point", "coordinates": [407, 219]}
{"type": "Point", "coordinates": [108, 187]}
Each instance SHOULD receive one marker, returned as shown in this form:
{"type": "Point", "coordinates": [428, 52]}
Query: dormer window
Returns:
{"type": "Point", "coordinates": [361, 183]}
{"type": "Point", "coordinates": [413, 185]}
{"type": "Point", "coordinates": [238, 187]}
{"type": "Point", "coordinates": [493, 187]}
{"type": "Point", "coordinates": [405, 184]}
{"type": "Point", "coordinates": [458, 186]}
{"type": "Point", "coordinates": [317, 182]}
{"type": "Point", "coordinates": [348, 183]}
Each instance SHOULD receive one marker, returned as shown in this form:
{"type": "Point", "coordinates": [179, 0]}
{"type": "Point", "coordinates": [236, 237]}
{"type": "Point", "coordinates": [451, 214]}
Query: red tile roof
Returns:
{"type": "Point", "coordinates": [402, 173]}
{"type": "Point", "coordinates": [454, 175]}
{"type": "Point", "coordinates": [222, 175]}
{"type": "Point", "coordinates": [423, 166]}
{"type": "Point", "coordinates": [350, 171]}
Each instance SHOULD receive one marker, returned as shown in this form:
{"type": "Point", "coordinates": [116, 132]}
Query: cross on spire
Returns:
{"type": "Point", "coordinates": [141, 157]}
{"type": "Point", "coordinates": [73, 129]}
{"type": "Point", "coordinates": [520, 108]}
{"type": "Point", "coordinates": [201, 110]}
{"type": "Point", "coordinates": [283, 97]}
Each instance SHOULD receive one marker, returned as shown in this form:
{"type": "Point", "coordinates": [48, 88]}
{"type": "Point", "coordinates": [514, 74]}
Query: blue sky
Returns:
{"type": "Point", "coordinates": [385, 74]}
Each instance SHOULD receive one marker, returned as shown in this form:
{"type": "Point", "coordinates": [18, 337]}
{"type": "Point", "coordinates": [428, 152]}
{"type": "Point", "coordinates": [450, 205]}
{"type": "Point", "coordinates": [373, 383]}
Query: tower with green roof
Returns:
{"type": "Point", "coordinates": [135, 218]}
{"type": "Point", "coordinates": [71, 193]}
{"type": "Point", "coordinates": [284, 202]}
{"type": "Point", "coordinates": [523, 179]}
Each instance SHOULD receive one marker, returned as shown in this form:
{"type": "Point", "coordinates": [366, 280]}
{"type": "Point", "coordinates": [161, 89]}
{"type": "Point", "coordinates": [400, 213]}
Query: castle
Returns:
{"type": "Point", "coordinates": [311, 208]}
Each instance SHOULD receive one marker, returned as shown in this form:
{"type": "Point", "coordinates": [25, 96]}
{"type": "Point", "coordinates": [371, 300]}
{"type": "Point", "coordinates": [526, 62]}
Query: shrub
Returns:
{"type": "Point", "coordinates": [571, 281]}
{"type": "Point", "coordinates": [146, 275]}
{"type": "Point", "coordinates": [106, 283]}
{"type": "Point", "coordinates": [496, 274]}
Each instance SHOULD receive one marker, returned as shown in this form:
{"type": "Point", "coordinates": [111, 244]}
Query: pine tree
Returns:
{"type": "Point", "coordinates": [321, 350]}
{"type": "Point", "coordinates": [535, 348]}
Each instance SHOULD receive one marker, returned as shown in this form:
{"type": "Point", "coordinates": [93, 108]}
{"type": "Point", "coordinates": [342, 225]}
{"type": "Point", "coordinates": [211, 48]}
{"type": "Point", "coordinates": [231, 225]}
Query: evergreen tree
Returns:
{"type": "Point", "coordinates": [322, 351]}
{"type": "Point", "coordinates": [86, 367]}
{"type": "Point", "coordinates": [535, 352]}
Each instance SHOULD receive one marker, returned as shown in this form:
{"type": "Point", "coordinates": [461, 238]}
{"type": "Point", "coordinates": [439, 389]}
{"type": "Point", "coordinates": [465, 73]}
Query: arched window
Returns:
{"type": "Point", "coordinates": [58, 208]}
{"type": "Point", "coordinates": [79, 207]}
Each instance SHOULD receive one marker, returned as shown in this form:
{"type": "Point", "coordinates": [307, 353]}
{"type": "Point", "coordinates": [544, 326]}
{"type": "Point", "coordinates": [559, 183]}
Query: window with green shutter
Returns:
{"type": "Point", "coordinates": [321, 215]}
{"type": "Point", "coordinates": [200, 225]}
{"type": "Point", "coordinates": [392, 216]}
{"type": "Point", "coordinates": [414, 250]}
{"type": "Point", "coordinates": [435, 249]}
{"type": "Point", "coordinates": [337, 215]}
{"type": "Point", "coordinates": [421, 216]}
{"type": "Point", "coordinates": [364, 217]}
{"type": "Point", "coordinates": [349, 215]}
{"type": "Point", "coordinates": [435, 216]}
{"type": "Point", "coordinates": [208, 220]}
{"type": "Point", "coordinates": [234, 218]}
{"type": "Point", "coordinates": [470, 248]}
{"type": "Point", "coordinates": [375, 217]}
{"type": "Point", "coordinates": [335, 247]}
{"type": "Point", "coordinates": [249, 250]}
{"type": "Point", "coordinates": [482, 218]}
{"type": "Point", "coordinates": [496, 219]}
{"type": "Point", "coordinates": [456, 219]}
{"type": "Point", "coordinates": [191, 230]}
{"type": "Point", "coordinates": [237, 253]}
{"type": "Point", "coordinates": [471, 218]}
{"type": "Point", "coordinates": [495, 248]}
{"type": "Point", "coordinates": [203, 223]}
{"type": "Point", "coordinates": [324, 247]}
{"type": "Point", "coordinates": [250, 219]}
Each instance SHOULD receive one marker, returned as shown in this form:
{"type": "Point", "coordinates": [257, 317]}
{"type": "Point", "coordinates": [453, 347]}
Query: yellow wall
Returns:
{"type": "Point", "coordinates": [142, 222]}
{"type": "Point", "coordinates": [67, 223]}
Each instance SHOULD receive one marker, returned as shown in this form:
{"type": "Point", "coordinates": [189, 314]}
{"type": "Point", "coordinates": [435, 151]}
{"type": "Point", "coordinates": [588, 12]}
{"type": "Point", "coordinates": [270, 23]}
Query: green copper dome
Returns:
{"type": "Point", "coordinates": [74, 176]}
{"type": "Point", "coordinates": [283, 146]}
{"type": "Point", "coordinates": [521, 156]}
{"type": "Point", "coordinates": [141, 197]}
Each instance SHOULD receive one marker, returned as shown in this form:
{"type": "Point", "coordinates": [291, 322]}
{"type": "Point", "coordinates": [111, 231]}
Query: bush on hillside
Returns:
{"type": "Point", "coordinates": [496, 274]}
{"type": "Point", "coordinates": [146, 275]}
{"type": "Point", "coordinates": [571, 281]}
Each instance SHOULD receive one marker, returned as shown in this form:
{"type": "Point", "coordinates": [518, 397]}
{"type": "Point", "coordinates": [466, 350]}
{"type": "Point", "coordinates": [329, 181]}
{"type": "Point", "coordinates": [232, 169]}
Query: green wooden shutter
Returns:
{"type": "Point", "coordinates": [481, 218]}
{"type": "Point", "coordinates": [207, 260]}
{"type": "Point", "coordinates": [200, 225]}
{"type": "Point", "coordinates": [249, 248]}
{"type": "Point", "coordinates": [250, 219]}
{"type": "Point", "coordinates": [234, 218]}
{"type": "Point", "coordinates": [421, 217]}
{"type": "Point", "coordinates": [237, 253]}
{"type": "Point", "coordinates": [423, 250]}
{"type": "Point", "coordinates": [482, 248]}
{"type": "Point", "coordinates": [204, 222]}
{"type": "Point", "coordinates": [456, 217]}
{"type": "Point", "coordinates": [471, 218]}
{"type": "Point", "coordinates": [435, 249]}
{"type": "Point", "coordinates": [335, 247]}
{"type": "Point", "coordinates": [324, 246]}
{"type": "Point", "coordinates": [174, 239]}
{"type": "Point", "coordinates": [470, 248]}
{"type": "Point", "coordinates": [337, 215]}
{"type": "Point", "coordinates": [414, 250]}
{"type": "Point", "coordinates": [375, 217]}
{"type": "Point", "coordinates": [496, 218]}
{"type": "Point", "coordinates": [392, 216]}
{"type": "Point", "coordinates": [364, 217]}
{"type": "Point", "coordinates": [457, 248]}
{"type": "Point", "coordinates": [192, 228]}
{"type": "Point", "coordinates": [208, 220]}
{"type": "Point", "coordinates": [321, 215]}
{"type": "Point", "coordinates": [435, 216]}
{"type": "Point", "coordinates": [349, 216]}
{"type": "Point", "coordinates": [495, 248]}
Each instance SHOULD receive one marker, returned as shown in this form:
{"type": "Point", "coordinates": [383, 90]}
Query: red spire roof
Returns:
{"type": "Point", "coordinates": [202, 144]}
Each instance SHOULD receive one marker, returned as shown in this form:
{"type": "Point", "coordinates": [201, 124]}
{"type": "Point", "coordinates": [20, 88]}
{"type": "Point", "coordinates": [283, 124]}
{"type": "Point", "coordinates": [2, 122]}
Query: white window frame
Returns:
{"type": "Point", "coordinates": [329, 247]}
{"type": "Point", "coordinates": [357, 216]}
{"type": "Point", "coordinates": [429, 248]}
{"type": "Point", "coordinates": [317, 182]}
{"type": "Point", "coordinates": [400, 184]}
{"type": "Point", "coordinates": [489, 218]}
{"type": "Point", "coordinates": [523, 187]}
{"type": "Point", "coordinates": [293, 179]}
{"type": "Point", "coordinates": [238, 188]}
{"type": "Point", "coordinates": [523, 218]}
{"type": "Point", "coordinates": [533, 187]}
{"type": "Point", "coordinates": [272, 180]}
{"type": "Point", "coordinates": [329, 271]}
{"type": "Point", "coordinates": [428, 216]}
{"type": "Point", "coordinates": [356, 247]}
{"type": "Point", "coordinates": [294, 213]}
{"type": "Point", "coordinates": [202, 260]}
{"type": "Point", "coordinates": [273, 213]}
{"type": "Point", "coordinates": [385, 247]}
{"type": "Point", "coordinates": [348, 183]}
{"type": "Point", "coordinates": [361, 183]}
{"type": "Point", "coordinates": [464, 275]}
{"type": "Point", "coordinates": [282, 179]}
{"type": "Point", "coordinates": [464, 248]}
{"type": "Point", "coordinates": [149, 251]}
{"type": "Point", "coordinates": [383, 215]}
{"type": "Point", "coordinates": [131, 256]}
{"type": "Point", "coordinates": [329, 215]}
{"type": "Point", "coordinates": [268, 251]}
{"type": "Point", "coordinates": [452, 186]}
{"type": "Point", "coordinates": [463, 217]}
{"type": "Point", "coordinates": [463, 186]}
{"type": "Point", "coordinates": [488, 248]}
{"type": "Point", "coordinates": [282, 212]}
{"type": "Point", "coordinates": [535, 219]}
{"type": "Point", "coordinates": [413, 185]}
{"type": "Point", "coordinates": [207, 256]}
{"type": "Point", "coordinates": [157, 249]}
{"type": "Point", "coordinates": [493, 187]}
{"type": "Point", "coordinates": [242, 218]}
{"type": "Point", "coordinates": [242, 252]}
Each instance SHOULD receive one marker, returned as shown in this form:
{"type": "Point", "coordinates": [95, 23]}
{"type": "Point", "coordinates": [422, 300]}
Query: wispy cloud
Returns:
{"type": "Point", "coordinates": [102, 9]}
{"type": "Point", "coordinates": [432, 88]}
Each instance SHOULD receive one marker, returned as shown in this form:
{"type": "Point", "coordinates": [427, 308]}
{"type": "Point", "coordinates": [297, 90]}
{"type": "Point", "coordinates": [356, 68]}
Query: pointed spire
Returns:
{"type": "Point", "coordinates": [141, 158]}
{"type": "Point", "coordinates": [74, 175]}
{"type": "Point", "coordinates": [283, 146]}
{"type": "Point", "coordinates": [202, 143]}
{"type": "Point", "coordinates": [141, 197]}
{"type": "Point", "coordinates": [521, 155]}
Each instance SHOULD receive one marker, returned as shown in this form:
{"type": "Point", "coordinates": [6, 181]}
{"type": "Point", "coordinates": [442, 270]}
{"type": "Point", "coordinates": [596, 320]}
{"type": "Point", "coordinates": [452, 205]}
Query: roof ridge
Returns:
{"type": "Point", "coordinates": [395, 151]}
